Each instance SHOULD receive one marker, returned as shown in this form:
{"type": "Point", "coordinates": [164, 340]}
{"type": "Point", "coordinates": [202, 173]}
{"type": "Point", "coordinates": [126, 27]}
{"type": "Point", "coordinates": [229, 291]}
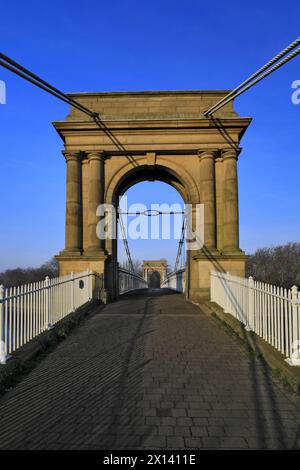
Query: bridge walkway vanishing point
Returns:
{"type": "Point", "coordinates": [148, 371]}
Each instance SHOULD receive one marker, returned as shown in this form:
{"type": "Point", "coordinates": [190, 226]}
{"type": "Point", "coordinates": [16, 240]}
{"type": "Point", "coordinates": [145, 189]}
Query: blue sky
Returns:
{"type": "Point", "coordinates": [157, 196]}
{"type": "Point", "coordinates": [133, 45]}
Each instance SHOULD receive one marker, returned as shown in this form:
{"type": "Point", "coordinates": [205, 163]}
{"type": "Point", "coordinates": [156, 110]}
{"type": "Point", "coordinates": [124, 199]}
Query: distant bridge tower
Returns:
{"type": "Point", "coordinates": [154, 272]}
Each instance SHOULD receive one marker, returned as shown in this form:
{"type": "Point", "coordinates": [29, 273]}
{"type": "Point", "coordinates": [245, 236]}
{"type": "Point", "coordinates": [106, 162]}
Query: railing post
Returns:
{"type": "Point", "coordinates": [294, 360]}
{"type": "Point", "coordinates": [48, 307]}
{"type": "Point", "coordinates": [90, 283]}
{"type": "Point", "coordinates": [72, 292]}
{"type": "Point", "coordinates": [211, 285]}
{"type": "Point", "coordinates": [2, 332]}
{"type": "Point", "coordinates": [295, 306]}
{"type": "Point", "coordinates": [227, 291]}
{"type": "Point", "coordinates": [249, 325]}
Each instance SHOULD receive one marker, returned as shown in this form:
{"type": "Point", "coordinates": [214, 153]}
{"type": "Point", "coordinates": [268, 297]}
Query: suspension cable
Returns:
{"type": "Point", "coordinates": [249, 82]}
{"type": "Point", "coordinates": [18, 69]}
{"type": "Point", "coordinates": [180, 246]}
{"type": "Point", "coordinates": [152, 213]}
{"type": "Point", "coordinates": [125, 241]}
{"type": "Point", "coordinates": [31, 77]}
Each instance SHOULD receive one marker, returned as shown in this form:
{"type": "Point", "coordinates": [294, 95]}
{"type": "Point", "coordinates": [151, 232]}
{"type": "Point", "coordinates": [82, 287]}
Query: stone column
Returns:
{"type": "Point", "coordinates": [208, 197]}
{"type": "Point", "coordinates": [219, 200]}
{"type": "Point", "coordinates": [230, 208]}
{"type": "Point", "coordinates": [85, 201]}
{"type": "Point", "coordinates": [96, 197]}
{"type": "Point", "coordinates": [73, 202]}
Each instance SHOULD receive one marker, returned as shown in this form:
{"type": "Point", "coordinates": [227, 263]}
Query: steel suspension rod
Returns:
{"type": "Point", "coordinates": [249, 82]}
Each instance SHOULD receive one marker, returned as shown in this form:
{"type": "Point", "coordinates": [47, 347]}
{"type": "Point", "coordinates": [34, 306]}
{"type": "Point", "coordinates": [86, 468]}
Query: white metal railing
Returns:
{"type": "Point", "coordinates": [130, 281]}
{"type": "Point", "coordinates": [271, 312]}
{"type": "Point", "coordinates": [28, 310]}
{"type": "Point", "coordinates": [175, 280]}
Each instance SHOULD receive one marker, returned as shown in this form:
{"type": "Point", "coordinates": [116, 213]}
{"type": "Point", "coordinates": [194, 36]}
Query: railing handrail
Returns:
{"type": "Point", "coordinates": [127, 271]}
{"type": "Point", "coordinates": [259, 285]}
{"type": "Point", "coordinates": [60, 280]}
{"type": "Point", "coordinates": [178, 277]}
{"type": "Point", "coordinates": [172, 273]}
{"type": "Point", "coordinates": [129, 281]}
{"type": "Point", "coordinates": [33, 287]}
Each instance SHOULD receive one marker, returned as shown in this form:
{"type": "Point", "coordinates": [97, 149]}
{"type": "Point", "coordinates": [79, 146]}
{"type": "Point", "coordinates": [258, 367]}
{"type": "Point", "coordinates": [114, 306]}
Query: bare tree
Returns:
{"type": "Point", "coordinates": [279, 265]}
{"type": "Point", "coordinates": [137, 266]}
{"type": "Point", "coordinates": [19, 276]}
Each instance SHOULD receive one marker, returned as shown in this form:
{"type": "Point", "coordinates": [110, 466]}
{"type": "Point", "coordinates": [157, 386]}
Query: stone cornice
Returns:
{"type": "Point", "coordinates": [177, 136]}
{"type": "Point", "coordinates": [152, 124]}
{"type": "Point", "coordinates": [148, 92]}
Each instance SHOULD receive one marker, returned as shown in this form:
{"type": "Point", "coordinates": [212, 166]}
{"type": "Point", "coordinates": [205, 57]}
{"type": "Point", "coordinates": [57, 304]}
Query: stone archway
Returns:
{"type": "Point", "coordinates": [153, 135]}
{"type": "Point", "coordinates": [154, 280]}
{"type": "Point", "coordinates": [151, 267]}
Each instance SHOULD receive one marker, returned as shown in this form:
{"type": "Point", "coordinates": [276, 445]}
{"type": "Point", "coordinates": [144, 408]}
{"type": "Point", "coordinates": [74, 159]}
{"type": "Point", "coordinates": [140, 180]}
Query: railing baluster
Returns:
{"type": "Point", "coordinates": [14, 319]}
{"type": "Point", "coordinates": [2, 326]}
{"type": "Point", "coordinates": [277, 327]}
{"type": "Point", "coordinates": [294, 320]}
{"type": "Point", "coordinates": [270, 315]}
{"type": "Point", "coordinates": [20, 316]}
{"type": "Point", "coordinates": [290, 322]}
{"type": "Point", "coordinates": [10, 321]}
{"type": "Point", "coordinates": [32, 308]}
{"type": "Point", "coordinates": [6, 323]}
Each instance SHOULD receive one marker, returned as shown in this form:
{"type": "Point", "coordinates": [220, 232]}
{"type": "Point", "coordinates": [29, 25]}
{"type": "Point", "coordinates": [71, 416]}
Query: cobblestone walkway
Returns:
{"type": "Point", "coordinates": [150, 371]}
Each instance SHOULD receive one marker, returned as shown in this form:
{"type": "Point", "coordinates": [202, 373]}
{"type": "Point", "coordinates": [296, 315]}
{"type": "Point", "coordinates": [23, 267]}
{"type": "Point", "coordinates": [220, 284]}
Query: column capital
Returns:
{"type": "Point", "coordinates": [208, 153]}
{"type": "Point", "coordinates": [96, 155]}
{"type": "Point", "coordinates": [85, 160]}
{"type": "Point", "coordinates": [231, 153]}
{"type": "Point", "coordinates": [75, 155]}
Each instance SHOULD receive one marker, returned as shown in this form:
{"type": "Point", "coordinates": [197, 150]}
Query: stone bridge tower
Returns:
{"type": "Point", "coordinates": [153, 136]}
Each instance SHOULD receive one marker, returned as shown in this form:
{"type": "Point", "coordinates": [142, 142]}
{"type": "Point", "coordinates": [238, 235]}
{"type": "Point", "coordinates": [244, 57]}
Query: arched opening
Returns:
{"type": "Point", "coordinates": [154, 281]}
{"type": "Point", "coordinates": [152, 212]}
{"type": "Point", "coordinates": [144, 173]}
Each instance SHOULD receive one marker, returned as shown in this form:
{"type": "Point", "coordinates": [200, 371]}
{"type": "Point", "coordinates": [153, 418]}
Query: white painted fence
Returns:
{"type": "Point", "coordinates": [28, 310]}
{"type": "Point", "coordinates": [130, 281]}
{"type": "Point", "coordinates": [271, 312]}
{"type": "Point", "coordinates": [175, 280]}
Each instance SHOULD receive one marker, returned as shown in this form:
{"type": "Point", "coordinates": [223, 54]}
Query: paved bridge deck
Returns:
{"type": "Point", "coordinates": [148, 371]}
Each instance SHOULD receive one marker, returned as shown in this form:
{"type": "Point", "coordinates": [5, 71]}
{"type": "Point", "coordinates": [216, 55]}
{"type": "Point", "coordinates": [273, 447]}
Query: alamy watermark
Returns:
{"type": "Point", "coordinates": [2, 92]}
{"type": "Point", "coordinates": [296, 94]}
{"type": "Point", "coordinates": [161, 221]}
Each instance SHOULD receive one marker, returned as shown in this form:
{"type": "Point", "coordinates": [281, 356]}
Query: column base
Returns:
{"type": "Point", "coordinates": [94, 253]}
{"type": "Point", "coordinates": [69, 261]}
{"type": "Point", "coordinates": [203, 262]}
{"type": "Point", "coordinates": [233, 252]}
{"type": "Point", "coordinates": [205, 253]}
{"type": "Point", "coordinates": [70, 253]}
